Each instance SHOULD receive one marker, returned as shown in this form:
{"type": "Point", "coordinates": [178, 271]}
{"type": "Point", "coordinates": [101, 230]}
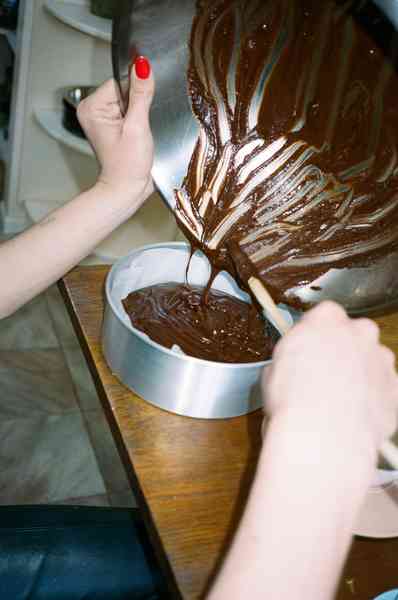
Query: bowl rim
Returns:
{"type": "Point", "coordinates": [144, 337]}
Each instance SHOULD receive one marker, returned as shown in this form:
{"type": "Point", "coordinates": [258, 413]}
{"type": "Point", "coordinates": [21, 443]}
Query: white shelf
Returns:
{"type": "Point", "coordinates": [51, 122]}
{"type": "Point", "coordinates": [79, 17]}
{"type": "Point", "coordinates": [11, 37]}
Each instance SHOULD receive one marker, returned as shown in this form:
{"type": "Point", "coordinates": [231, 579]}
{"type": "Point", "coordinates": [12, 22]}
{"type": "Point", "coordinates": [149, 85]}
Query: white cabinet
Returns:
{"type": "Point", "coordinates": [61, 44]}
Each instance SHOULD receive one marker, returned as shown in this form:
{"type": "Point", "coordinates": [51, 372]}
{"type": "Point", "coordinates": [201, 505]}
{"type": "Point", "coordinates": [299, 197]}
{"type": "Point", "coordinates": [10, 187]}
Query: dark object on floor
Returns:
{"type": "Point", "coordinates": [9, 14]}
{"type": "Point", "coordinates": [76, 553]}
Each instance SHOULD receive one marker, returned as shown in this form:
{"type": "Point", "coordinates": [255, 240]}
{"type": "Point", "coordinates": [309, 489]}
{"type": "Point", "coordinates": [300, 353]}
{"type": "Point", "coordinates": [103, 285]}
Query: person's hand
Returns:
{"type": "Point", "coordinates": [331, 373]}
{"type": "Point", "coordinates": [123, 145]}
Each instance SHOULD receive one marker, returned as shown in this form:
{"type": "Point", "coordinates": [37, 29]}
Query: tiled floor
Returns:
{"type": "Point", "coordinates": [55, 444]}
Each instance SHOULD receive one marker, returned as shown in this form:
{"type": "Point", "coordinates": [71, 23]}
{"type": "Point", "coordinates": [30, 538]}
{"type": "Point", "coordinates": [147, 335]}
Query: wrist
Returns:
{"type": "Point", "coordinates": [132, 195]}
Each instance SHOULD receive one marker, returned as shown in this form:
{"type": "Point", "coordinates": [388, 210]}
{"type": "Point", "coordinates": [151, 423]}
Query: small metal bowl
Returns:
{"type": "Point", "coordinates": [166, 378]}
{"type": "Point", "coordinates": [71, 97]}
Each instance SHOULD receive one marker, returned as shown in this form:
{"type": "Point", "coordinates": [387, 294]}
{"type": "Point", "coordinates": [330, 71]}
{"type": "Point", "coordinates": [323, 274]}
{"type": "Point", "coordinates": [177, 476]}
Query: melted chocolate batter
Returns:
{"type": "Point", "coordinates": [297, 160]}
{"type": "Point", "coordinates": [222, 329]}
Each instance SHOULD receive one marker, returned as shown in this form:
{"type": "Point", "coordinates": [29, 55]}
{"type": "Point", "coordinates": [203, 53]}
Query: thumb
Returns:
{"type": "Point", "coordinates": [142, 89]}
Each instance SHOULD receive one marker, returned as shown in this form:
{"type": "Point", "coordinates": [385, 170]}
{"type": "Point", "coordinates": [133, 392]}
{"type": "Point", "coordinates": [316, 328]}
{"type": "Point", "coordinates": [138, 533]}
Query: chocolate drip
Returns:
{"type": "Point", "coordinates": [222, 329]}
{"type": "Point", "coordinates": [297, 158]}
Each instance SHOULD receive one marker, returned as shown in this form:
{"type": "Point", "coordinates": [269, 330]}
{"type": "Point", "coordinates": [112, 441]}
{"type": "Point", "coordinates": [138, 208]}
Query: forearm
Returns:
{"type": "Point", "coordinates": [297, 526]}
{"type": "Point", "coordinates": [35, 259]}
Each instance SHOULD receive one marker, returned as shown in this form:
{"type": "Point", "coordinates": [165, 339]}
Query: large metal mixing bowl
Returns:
{"type": "Point", "coordinates": [161, 29]}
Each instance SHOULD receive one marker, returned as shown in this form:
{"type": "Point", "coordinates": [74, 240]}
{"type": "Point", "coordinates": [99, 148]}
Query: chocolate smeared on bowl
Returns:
{"type": "Point", "coordinates": [295, 170]}
{"type": "Point", "coordinates": [296, 159]}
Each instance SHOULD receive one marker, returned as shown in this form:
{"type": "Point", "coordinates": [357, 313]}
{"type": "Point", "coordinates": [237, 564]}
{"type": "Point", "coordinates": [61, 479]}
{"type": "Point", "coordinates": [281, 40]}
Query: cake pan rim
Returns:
{"type": "Point", "coordinates": [115, 267]}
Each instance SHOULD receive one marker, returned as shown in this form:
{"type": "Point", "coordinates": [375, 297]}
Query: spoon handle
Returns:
{"type": "Point", "coordinates": [271, 310]}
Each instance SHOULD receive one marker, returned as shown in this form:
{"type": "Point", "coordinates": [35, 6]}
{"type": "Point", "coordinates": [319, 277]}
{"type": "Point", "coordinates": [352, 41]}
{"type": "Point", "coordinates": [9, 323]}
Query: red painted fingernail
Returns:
{"type": "Point", "coordinates": [142, 67]}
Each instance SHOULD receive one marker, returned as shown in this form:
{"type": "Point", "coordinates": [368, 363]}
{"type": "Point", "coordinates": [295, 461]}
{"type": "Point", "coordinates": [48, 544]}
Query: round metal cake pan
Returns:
{"type": "Point", "coordinates": [166, 378]}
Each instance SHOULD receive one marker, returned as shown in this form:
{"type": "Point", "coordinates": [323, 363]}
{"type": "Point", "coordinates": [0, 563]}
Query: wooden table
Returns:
{"type": "Point", "coordinates": [191, 477]}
